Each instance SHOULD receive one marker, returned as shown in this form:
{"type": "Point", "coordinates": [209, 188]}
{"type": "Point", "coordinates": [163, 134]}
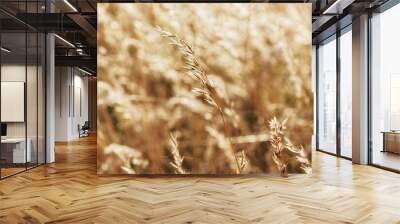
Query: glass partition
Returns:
{"type": "Point", "coordinates": [13, 109]}
{"type": "Point", "coordinates": [22, 78]}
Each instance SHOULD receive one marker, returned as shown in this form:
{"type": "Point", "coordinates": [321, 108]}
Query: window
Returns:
{"type": "Point", "coordinates": [327, 96]}
{"type": "Point", "coordinates": [385, 89]}
{"type": "Point", "coordinates": [346, 93]}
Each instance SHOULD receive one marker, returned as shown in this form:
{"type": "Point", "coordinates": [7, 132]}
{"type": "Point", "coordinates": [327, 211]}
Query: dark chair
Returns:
{"type": "Point", "coordinates": [84, 130]}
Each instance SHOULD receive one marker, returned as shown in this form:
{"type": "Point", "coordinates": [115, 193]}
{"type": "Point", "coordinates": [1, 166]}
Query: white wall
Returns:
{"type": "Point", "coordinates": [80, 104]}
{"type": "Point", "coordinates": [71, 102]}
{"type": "Point", "coordinates": [12, 73]}
{"type": "Point", "coordinates": [62, 81]}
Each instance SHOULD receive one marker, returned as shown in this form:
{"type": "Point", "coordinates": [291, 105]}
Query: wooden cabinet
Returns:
{"type": "Point", "coordinates": [391, 142]}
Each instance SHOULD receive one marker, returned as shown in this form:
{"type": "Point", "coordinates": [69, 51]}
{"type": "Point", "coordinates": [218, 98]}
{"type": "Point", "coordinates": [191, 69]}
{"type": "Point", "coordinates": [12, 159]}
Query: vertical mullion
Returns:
{"type": "Point", "coordinates": [338, 76]}
{"type": "Point", "coordinates": [69, 92]}
{"type": "Point", "coordinates": [369, 89]}
{"type": "Point", "coordinates": [26, 86]}
{"type": "Point", "coordinates": [44, 81]}
{"type": "Point", "coordinates": [60, 88]}
{"type": "Point", "coordinates": [45, 87]}
{"type": "Point", "coordinates": [37, 90]}
{"type": "Point", "coordinates": [73, 92]}
{"type": "Point", "coordinates": [317, 96]}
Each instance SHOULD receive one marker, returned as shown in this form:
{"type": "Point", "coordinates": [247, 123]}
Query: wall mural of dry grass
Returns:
{"type": "Point", "coordinates": [204, 88]}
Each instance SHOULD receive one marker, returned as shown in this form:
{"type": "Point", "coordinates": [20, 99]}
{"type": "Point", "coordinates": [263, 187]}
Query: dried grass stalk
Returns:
{"type": "Point", "coordinates": [225, 146]}
{"type": "Point", "coordinates": [284, 150]}
{"type": "Point", "coordinates": [178, 159]}
{"type": "Point", "coordinates": [129, 158]}
{"type": "Point", "coordinates": [255, 138]}
{"type": "Point", "coordinates": [243, 162]}
{"type": "Point", "coordinates": [207, 89]}
{"type": "Point", "coordinates": [194, 69]}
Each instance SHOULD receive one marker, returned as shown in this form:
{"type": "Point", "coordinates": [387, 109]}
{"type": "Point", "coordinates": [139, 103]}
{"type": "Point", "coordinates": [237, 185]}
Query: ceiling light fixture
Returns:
{"type": "Point", "coordinates": [5, 50]}
{"type": "Point", "coordinates": [84, 71]}
{"type": "Point", "coordinates": [337, 7]}
{"type": "Point", "coordinates": [70, 5]}
{"type": "Point", "coordinates": [64, 40]}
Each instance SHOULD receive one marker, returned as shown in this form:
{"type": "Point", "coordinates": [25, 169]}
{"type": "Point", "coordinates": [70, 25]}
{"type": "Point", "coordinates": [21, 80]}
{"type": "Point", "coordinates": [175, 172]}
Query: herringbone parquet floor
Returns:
{"type": "Point", "coordinates": [69, 191]}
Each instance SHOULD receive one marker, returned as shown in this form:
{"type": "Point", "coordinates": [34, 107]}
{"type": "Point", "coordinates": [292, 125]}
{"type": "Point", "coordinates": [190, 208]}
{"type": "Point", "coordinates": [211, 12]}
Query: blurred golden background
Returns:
{"type": "Point", "coordinates": [190, 88]}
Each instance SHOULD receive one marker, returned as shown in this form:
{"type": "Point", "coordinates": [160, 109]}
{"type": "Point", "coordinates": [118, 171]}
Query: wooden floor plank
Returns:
{"type": "Point", "coordinates": [69, 191]}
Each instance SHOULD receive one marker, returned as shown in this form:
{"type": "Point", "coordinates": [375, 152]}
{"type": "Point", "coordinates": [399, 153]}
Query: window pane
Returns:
{"type": "Point", "coordinates": [327, 96]}
{"type": "Point", "coordinates": [386, 89]}
{"type": "Point", "coordinates": [346, 94]}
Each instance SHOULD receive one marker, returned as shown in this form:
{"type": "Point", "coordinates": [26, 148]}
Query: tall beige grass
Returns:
{"type": "Point", "coordinates": [230, 68]}
{"type": "Point", "coordinates": [178, 159]}
{"type": "Point", "coordinates": [284, 150]}
{"type": "Point", "coordinates": [207, 90]}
